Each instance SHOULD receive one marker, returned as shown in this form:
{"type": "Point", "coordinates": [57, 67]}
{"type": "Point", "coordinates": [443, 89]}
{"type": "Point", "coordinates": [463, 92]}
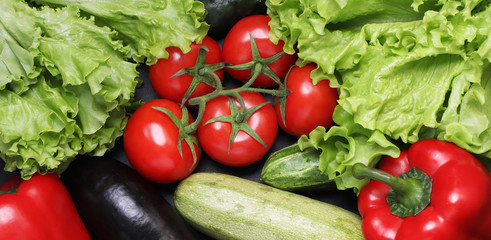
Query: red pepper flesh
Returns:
{"type": "Point", "coordinates": [460, 201]}
{"type": "Point", "coordinates": [41, 208]}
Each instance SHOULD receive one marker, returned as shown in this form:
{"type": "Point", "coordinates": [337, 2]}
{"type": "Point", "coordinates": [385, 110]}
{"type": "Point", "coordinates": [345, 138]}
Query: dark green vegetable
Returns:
{"type": "Point", "coordinates": [294, 170]}
{"type": "Point", "coordinates": [223, 14]}
{"type": "Point", "coordinates": [117, 203]}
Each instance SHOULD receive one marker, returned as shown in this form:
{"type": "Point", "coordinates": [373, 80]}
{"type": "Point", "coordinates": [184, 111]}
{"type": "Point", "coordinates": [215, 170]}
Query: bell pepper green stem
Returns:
{"type": "Point", "coordinates": [409, 193]}
{"type": "Point", "coordinates": [398, 184]}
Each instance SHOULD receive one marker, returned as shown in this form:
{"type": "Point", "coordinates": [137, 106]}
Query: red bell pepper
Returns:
{"type": "Point", "coordinates": [453, 202]}
{"type": "Point", "coordinates": [39, 208]}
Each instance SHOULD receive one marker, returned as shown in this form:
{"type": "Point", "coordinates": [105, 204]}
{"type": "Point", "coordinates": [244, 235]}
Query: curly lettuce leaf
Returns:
{"type": "Point", "coordinates": [347, 144]}
{"type": "Point", "coordinates": [18, 46]}
{"type": "Point", "coordinates": [418, 70]}
{"type": "Point", "coordinates": [468, 123]}
{"type": "Point", "coordinates": [148, 27]}
{"type": "Point", "coordinates": [76, 104]}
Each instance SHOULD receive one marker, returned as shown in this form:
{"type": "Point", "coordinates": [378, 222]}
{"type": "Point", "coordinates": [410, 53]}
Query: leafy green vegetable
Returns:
{"type": "Point", "coordinates": [148, 27]}
{"type": "Point", "coordinates": [66, 85]}
{"type": "Point", "coordinates": [405, 70]}
{"type": "Point", "coordinates": [18, 47]}
{"type": "Point", "coordinates": [346, 145]}
{"type": "Point", "coordinates": [67, 90]}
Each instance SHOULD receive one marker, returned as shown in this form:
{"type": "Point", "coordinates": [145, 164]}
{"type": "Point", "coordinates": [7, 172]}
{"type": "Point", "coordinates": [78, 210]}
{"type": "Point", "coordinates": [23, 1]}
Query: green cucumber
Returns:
{"type": "Point", "coordinates": [294, 170]}
{"type": "Point", "coordinates": [227, 207]}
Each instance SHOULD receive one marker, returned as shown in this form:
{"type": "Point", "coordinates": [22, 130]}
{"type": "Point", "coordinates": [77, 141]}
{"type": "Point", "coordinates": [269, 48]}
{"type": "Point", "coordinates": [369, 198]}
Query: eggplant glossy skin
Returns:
{"type": "Point", "coordinates": [115, 202]}
{"type": "Point", "coordinates": [223, 14]}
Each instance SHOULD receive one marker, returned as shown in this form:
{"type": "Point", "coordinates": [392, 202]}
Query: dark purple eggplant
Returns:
{"type": "Point", "coordinates": [115, 202]}
{"type": "Point", "coordinates": [223, 14]}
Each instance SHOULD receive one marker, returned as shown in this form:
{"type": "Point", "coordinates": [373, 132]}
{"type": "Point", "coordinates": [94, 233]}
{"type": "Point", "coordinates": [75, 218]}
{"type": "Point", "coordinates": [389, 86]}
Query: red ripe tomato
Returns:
{"type": "Point", "coordinates": [150, 142]}
{"type": "Point", "coordinates": [236, 49]}
{"type": "Point", "coordinates": [245, 150]}
{"type": "Point", "coordinates": [174, 88]}
{"type": "Point", "coordinates": [308, 105]}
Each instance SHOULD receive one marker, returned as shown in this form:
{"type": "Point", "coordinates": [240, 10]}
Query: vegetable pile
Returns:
{"type": "Point", "coordinates": [68, 74]}
{"type": "Point", "coordinates": [233, 126]}
{"type": "Point", "coordinates": [387, 98]}
{"type": "Point", "coordinates": [405, 71]}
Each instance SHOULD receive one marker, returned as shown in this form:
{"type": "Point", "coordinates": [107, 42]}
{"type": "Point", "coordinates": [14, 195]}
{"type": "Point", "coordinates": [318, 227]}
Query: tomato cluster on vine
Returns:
{"type": "Point", "coordinates": [235, 126]}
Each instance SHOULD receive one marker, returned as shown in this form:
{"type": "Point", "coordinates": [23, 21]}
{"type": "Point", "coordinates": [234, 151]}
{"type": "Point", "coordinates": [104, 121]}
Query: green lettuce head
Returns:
{"type": "Point", "coordinates": [66, 82]}
{"type": "Point", "coordinates": [406, 70]}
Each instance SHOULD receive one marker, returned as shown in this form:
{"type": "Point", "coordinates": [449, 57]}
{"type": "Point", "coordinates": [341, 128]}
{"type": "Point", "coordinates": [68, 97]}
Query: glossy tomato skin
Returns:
{"type": "Point", "coordinates": [174, 88]}
{"type": "Point", "coordinates": [236, 49]}
{"type": "Point", "coordinates": [308, 105]}
{"type": "Point", "coordinates": [150, 143]}
{"type": "Point", "coordinates": [245, 150]}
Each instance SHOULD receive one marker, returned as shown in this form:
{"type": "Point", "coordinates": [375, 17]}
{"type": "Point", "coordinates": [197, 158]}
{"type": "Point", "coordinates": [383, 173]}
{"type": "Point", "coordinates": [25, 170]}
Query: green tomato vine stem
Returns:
{"type": "Point", "coordinates": [205, 73]}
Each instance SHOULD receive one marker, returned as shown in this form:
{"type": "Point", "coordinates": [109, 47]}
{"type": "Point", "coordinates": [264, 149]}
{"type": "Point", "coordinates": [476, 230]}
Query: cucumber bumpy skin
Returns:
{"type": "Point", "coordinates": [294, 170]}
{"type": "Point", "coordinates": [228, 207]}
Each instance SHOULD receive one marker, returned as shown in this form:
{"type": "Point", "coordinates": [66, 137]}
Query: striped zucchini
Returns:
{"type": "Point", "coordinates": [228, 207]}
{"type": "Point", "coordinates": [294, 170]}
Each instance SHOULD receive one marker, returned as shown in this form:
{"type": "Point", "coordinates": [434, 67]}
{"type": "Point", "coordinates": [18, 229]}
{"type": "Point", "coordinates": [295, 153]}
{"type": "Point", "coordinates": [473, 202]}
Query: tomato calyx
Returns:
{"type": "Point", "coordinates": [258, 64]}
{"type": "Point", "coordinates": [281, 99]}
{"type": "Point", "coordinates": [11, 190]}
{"type": "Point", "coordinates": [186, 131]}
{"type": "Point", "coordinates": [409, 193]}
{"type": "Point", "coordinates": [238, 116]}
{"type": "Point", "coordinates": [205, 73]}
{"type": "Point", "coordinates": [238, 119]}
{"type": "Point", "coordinates": [201, 72]}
